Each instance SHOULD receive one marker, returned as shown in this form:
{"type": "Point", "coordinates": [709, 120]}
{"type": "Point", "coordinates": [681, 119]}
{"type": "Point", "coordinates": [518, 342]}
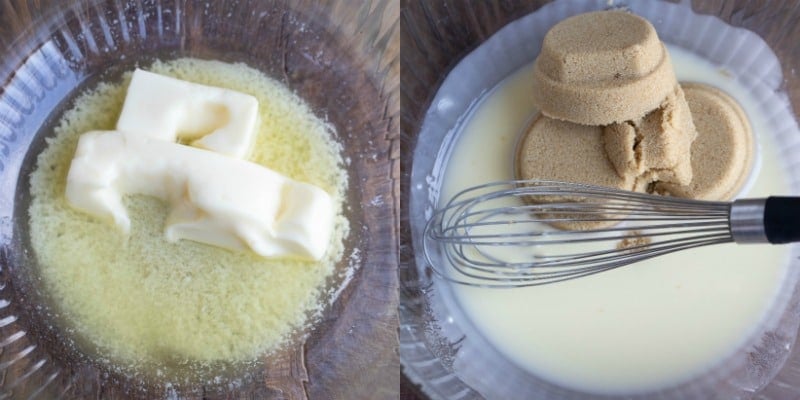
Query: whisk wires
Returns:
{"type": "Point", "coordinates": [526, 233]}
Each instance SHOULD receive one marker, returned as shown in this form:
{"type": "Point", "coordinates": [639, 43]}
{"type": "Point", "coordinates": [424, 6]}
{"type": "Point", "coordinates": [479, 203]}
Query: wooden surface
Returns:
{"type": "Point", "coordinates": [410, 391]}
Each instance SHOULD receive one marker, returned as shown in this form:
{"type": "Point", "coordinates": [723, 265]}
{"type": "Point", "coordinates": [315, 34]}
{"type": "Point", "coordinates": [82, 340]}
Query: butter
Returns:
{"type": "Point", "coordinates": [173, 110]}
{"type": "Point", "coordinates": [216, 197]}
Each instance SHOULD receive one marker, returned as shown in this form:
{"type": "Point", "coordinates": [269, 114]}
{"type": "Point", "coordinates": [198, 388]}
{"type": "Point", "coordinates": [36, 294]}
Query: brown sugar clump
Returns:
{"type": "Point", "coordinates": [614, 115]}
{"type": "Point", "coordinates": [565, 151]}
{"type": "Point", "coordinates": [600, 68]}
{"type": "Point", "coordinates": [609, 70]}
{"type": "Point", "coordinates": [656, 147]}
{"type": "Point", "coordinates": [634, 240]}
{"type": "Point", "coordinates": [723, 151]}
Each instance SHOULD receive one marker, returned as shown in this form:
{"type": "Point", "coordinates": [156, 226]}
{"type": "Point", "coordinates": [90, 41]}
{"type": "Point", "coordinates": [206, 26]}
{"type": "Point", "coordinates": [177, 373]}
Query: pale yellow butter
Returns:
{"type": "Point", "coordinates": [203, 116]}
{"type": "Point", "coordinates": [215, 197]}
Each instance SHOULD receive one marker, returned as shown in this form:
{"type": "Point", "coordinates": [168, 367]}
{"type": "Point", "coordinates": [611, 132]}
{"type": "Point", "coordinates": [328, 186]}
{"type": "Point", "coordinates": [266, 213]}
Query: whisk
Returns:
{"type": "Point", "coordinates": [502, 234]}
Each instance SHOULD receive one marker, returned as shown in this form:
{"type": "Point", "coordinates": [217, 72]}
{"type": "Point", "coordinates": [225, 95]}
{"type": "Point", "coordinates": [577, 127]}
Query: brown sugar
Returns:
{"type": "Point", "coordinates": [602, 67]}
{"type": "Point", "coordinates": [613, 114]}
{"type": "Point", "coordinates": [654, 148]}
{"type": "Point", "coordinates": [634, 240]}
{"type": "Point", "coordinates": [565, 151]}
{"type": "Point", "coordinates": [723, 151]}
{"type": "Point", "coordinates": [608, 72]}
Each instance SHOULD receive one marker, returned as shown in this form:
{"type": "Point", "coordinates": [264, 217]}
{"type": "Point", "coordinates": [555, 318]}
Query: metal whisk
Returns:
{"type": "Point", "coordinates": [504, 234]}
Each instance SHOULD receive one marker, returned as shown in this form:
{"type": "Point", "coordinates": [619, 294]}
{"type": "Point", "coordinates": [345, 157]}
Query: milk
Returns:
{"type": "Point", "coordinates": [647, 326]}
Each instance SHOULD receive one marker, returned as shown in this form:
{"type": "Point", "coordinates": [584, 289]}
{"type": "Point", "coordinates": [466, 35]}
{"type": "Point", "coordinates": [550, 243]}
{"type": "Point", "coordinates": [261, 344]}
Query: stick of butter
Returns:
{"type": "Point", "coordinates": [208, 117]}
{"type": "Point", "coordinates": [215, 197]}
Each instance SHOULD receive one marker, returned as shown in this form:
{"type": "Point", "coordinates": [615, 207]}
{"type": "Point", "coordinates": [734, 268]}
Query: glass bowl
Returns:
{"type": "Point", "coordinates": [440, 349]}
{"type": "Point", "coordinates": [341, 57]}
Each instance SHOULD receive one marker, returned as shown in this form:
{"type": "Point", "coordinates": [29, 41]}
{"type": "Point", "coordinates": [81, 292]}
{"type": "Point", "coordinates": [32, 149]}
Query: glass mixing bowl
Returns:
{"type": "Point", "coordinates": [440, 350]}
{"type": "Point", "coordinates": [342, 57]}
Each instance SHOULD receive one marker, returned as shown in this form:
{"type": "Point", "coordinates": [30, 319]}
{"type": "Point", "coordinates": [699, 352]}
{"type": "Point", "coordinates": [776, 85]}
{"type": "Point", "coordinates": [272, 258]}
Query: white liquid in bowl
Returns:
{"type": "Point", "coordinates": [647, 326]}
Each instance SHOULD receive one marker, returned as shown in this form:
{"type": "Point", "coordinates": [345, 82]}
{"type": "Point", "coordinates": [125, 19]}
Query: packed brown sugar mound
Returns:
{"type": "Point", "coordinates": [569, 152]}
{"type": "Point", "coordinates": [602, 67]}
{"type": "Point", "coordinates": [613, 114]}
{"type": "Point", "coordinates": [609, 71]}
{"type": "Point", "coordinates": [722, 154]}
{"type": "Point", "coordinates": [654, 148]}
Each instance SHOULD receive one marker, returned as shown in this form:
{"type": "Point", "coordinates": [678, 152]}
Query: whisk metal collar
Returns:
{"type": "Point", "coordinates": [747, 221]}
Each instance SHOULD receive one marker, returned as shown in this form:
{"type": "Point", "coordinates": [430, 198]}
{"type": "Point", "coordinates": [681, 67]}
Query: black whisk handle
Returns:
{"type": "Point", "coordinates": [782, 219]}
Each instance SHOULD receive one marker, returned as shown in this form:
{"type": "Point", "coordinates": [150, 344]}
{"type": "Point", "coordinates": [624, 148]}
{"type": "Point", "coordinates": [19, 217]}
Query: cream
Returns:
{"type": "Point", "coordinates": [643, 327]}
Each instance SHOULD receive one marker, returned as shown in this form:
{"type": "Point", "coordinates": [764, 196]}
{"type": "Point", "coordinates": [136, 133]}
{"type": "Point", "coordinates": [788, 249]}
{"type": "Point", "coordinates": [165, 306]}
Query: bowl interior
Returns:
{"type": "Point", "coordinates": [432, 342]}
